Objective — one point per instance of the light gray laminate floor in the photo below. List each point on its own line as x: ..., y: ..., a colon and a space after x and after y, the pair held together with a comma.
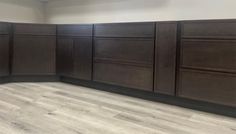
x: 59, y: 108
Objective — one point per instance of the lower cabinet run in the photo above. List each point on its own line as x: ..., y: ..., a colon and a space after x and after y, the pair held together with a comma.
x: 74, y: 51
x: 4, y: 49
x: 189, y: 59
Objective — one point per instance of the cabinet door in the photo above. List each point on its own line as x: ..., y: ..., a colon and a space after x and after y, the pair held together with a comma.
x: 213, y: 87
x: 165, y: 58
x: 34, y: 55
x: 4, y: 55
x: 65, y: 56
x: 83, y: 58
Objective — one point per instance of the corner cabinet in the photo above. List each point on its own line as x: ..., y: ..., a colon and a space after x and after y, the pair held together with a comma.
x: 34, y: 49
x: 74, y: 51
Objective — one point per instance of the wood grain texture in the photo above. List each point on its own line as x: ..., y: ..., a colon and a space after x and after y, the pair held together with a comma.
x: 34, y: 55
x: 165, y: 57
x: 225, y: 29
x: 35, y: 29
x: 135, y: 50
x: 125, y: 30
x: 4, y: 55
x: 217, y: 55
x: 65, y: 56
x: 75, y: 30
x: 123, y: 75
x: 4, y: 28
x: 213, y: 87
x: 57, y: 108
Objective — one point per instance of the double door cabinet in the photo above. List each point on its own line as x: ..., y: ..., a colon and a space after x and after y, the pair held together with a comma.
x: 74, y: 51
x: 189, y: 59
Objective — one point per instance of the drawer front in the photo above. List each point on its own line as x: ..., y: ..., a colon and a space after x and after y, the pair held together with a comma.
x: 75, y: 30
x: 212, y: 87
x: 139, y: 51
x: 65, y: 56
x: 4, y: 28
x: 218, y: 55
x: 34, y: 29
x: 83, y: 58
x: 218, y: 28
x: 4, y: 55
x: 34, y: 55
x: 165, y: 58
x: 125, y: 30
x: 124, y: 75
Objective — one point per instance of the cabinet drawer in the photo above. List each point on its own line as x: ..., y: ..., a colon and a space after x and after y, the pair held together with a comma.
x: 218, y: 55
x: 209, y: 29
x: 124, y: 75
x: 213, y: 87
x: 75, y: 30
x: 4, y: 55
x: 133, y: 50
x: 35, y: 29
x: 4, y: 28
x: 125, y: 30
x: 34, y: 55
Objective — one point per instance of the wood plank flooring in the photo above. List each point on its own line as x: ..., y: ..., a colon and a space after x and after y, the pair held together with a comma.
x: 59, y: 108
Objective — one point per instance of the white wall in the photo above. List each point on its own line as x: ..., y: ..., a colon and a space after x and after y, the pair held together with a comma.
x: 30, y: 11
x: 99, y: 11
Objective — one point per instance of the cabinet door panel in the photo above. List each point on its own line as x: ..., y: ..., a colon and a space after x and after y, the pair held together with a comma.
x: 165, y: 58
x: 208, y: 86
x: 218, y: 55
x: 83, y: 58
x: 4, y: 55
x: 125, y: 50
x: 124, y: 75
x: 34, y: 55
x: 209, y: 29
x: 4, y: 28
x: 75, y: 30
x: 65, y: 55
x: 34, y: 29
x: 125, y: 30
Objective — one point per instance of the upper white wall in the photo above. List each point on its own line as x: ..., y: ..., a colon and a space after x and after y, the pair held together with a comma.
x: 28, y: 11
x: 100, y: 11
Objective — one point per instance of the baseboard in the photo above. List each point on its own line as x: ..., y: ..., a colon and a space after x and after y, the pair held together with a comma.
x: 26, y: 78
x: 172, y: 100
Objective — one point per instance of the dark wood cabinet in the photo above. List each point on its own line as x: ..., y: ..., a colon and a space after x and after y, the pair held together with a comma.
x: 221, y: 29
x: 123, y: 54
x: 217, y: 55
x: 165, y: 58
x: 4, y: 49
x: 34, y: 49
x: 207, y: 69
x: 125, y: 30
x: 75, y: 51
x: 213, y: 87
